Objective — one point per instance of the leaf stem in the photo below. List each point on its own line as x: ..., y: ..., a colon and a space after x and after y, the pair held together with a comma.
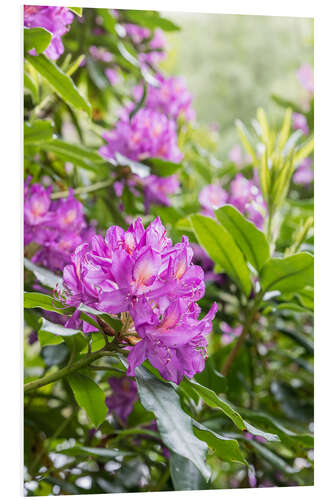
x: 67, y: 370
x: 83, y: 190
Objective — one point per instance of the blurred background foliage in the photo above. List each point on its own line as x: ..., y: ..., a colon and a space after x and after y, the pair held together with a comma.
x: 239, y: 62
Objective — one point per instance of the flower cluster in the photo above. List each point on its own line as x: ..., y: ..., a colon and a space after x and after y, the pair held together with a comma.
x: 304, y: 172
x: 305, y: 78
x: 53, y: 19
x: 244, y: 194
x: 140, y: 273
x: 58, y: 227
x: 155, y: 42
x: 171, y: 98
x: 148, y: 135
x: 124, y: 395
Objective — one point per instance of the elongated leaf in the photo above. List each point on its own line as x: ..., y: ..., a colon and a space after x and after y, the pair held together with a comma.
x: 221, y: 247
x: 109, y: 22
x: 215, y: 401
x: 275, y: 460
x: 47, y: 338
x: 285, y: 129
x: 290, y: 274
x: 76, y: 10
x: 184, y: 474
x: 286, y: 436
x: 36, y: 38
x: 48, y: 326
x: 151, y: 20
x: 174, y: 424
x: 61, y: 83
x: 90, y: 397
x: 30, y: 85
x: 249, y: 239
x: 304, y: 151
x: 75, y: 153
x: 87, y: 451
x: 39, y: 131
x: 44, y: 276
x: 46, y: 302
x: 246, y: 141
x: 226, y: 449
x: 136, y: 167
x: 162, y: 168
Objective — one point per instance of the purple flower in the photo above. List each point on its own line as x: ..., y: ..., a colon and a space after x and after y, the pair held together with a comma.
x: 172, y: 98
x: 228, y: 333
x: 58, y: 227
x: 157, y: 189
x: 143, y: 38
x: 305, y: 77
x: 247, y: 198
x: 112, y: 75
x: 100, y: 54
x: 148, y: 135
x: 300, y: 122
x: 53, y: 19
x: 140, y: 272
x: 124, y: 395
x: 236, y: 155
x: 304, y: 173
x: 211, y: 198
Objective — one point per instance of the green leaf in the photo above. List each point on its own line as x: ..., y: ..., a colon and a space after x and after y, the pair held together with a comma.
x: 272, y: 458
x: 299, y: 338
x: 211, y: 378
x: 174, y: 424
x: 76, y: 10
x: 46, y: 302
x: 140, y: 102
x: 226, y: 449
x: 89, y: 396
x: 285, y: 129
x: 250, y: 240
x: 47, y: 338
x: 290, y: 274
x: 246, y: 141
x: 222, y: 249
x: 36, y: 38
x: 162, y: 168
x: 151, y: 20
x: 48, y: 326
x: 214, y: 401
x: 75, y: 153
x: 61, y: 83
x: 136, y: 167
x: 286, y: 436
x: 30, y: 85
x: 39, y: 131
x: 184, y: 475
x: 44, y: 276
x: 101, y: 453
x: 304, y: 151
x: 109, y: 22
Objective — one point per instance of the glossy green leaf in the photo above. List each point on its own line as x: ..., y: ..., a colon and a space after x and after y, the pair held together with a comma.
x: 151, y: 20
x: 162, y: 168
x: 221, y: 247
x: 48, y: 326
x: 61, y: 83
x: 89, y: 396
x: 44, y: 276
x: 76, y: 10
x: 39, y: 131
x: 30, y: 85
x: 174, y: 424
x: 211, y: 378
x: 274, y: 459
x: 46, y: 302
x: 74, y: 153
x: 215, y: 401
x: 226, y: 449
x: 290, y: 274
x: 250, y: 240
x: 47, y: 338
x: 36, y: 38
x: 184, y: 474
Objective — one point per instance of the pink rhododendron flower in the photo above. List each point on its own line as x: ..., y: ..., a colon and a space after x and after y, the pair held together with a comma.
x: 140, y: 272
x: 304, y: 173
x: 58, y: 227
x: 305, y: 77
x: 158, y: 189
x: 112, y: 75
x: 300, y: 123
x: 246, y: 196
x: 172, y: 98
x: 155, y: 42
x: 124, y: 395
x: 228, y: 333
x: 211, y: 198
x: 54, y: 19
x: 148, y: 135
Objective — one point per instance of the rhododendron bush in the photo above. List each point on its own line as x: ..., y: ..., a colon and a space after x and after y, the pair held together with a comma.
x: 168, y: 288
